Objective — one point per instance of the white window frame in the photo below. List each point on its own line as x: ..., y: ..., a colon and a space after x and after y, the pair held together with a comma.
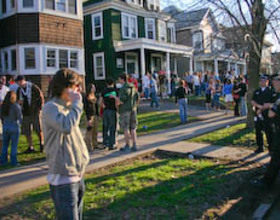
x: 9, y: 8
x: 147, y: 20
x: 46, y: 58
x: 66, y: 7
x: 194, y: 40
x: 129, y: 26
x: 93, y: 16
x: 24, y: 58
x: 162, y: 30
x: 69, y: 55
x: 30, y: 6
x: 95, y: 55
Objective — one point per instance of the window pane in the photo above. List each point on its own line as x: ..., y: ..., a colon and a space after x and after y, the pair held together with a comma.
x: 97, y: 32
x: 14, y: 59
x: 28, y: 3
x: 51, y: 58
x: 99, y: 61
x: 133, y: 27
x: 29, y: 54
x: 12, y: 3
x: 49, y: 4
x: 74, y: 60
x: 97, y: 21
x: 99, y: 72
x: 4, y: 7
x: 72, y: 6
x: 63, y: 58
x: 6, y: 62
x: 61, y: 5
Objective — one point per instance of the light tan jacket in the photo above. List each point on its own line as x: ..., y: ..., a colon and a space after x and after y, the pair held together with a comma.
x: 66, y: 150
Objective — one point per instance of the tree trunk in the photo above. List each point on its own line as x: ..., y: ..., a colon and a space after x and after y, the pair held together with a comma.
x: 258, y: 29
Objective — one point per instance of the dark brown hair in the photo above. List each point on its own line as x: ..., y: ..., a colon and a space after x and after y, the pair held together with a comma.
x: 123, y: 77
x: 64, y: 78
x: 10, y: 99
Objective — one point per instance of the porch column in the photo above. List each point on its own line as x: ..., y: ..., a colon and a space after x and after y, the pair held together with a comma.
x: 235, y: 67
x: 245, y: 69
x: 143, y: 65
x: 191, y: 65
x: 228, y: 66
x: 175, y: 65
x: 168, y: 72
x: 216, y: 67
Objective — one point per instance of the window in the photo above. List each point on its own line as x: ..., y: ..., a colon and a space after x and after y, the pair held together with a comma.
x: 72, y: 7
x: 162, y: 30
x: 97, y: 26
x: 63, y: 59
x: 51, y: 58
x: 219, y: 44
x: 150, y: 28
x: 28, y: 3
x: 14, y: 59
x: 129, y: 26
x: 49, y: 4
x: 29, y: 55
x: 74, y: 60
x: 197, y: 41
x: 99, y: 68
x: 61, y: 5
x: 6, y: 61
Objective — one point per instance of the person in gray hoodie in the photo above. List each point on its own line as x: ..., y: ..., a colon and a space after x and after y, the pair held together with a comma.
x: 66, y: 151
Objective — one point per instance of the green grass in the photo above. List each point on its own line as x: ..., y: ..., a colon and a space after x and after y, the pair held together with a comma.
x: 155, y: 121
x: 237, y: 135
x: 148, y: 188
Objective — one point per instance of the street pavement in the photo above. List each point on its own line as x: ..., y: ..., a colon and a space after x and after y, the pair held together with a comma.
x: 18, y: 180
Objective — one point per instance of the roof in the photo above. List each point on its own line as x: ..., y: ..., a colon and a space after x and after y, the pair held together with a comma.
x: 186, y: 18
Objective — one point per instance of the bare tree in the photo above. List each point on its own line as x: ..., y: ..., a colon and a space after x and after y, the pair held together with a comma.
x: 254, y: 19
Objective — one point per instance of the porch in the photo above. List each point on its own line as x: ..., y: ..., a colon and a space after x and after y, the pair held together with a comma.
x: 142, y: 55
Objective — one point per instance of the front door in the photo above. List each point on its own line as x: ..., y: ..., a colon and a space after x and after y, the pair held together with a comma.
x: 156, y: 62
x: 131, y: 64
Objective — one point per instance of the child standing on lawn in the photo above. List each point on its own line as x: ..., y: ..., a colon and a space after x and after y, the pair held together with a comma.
x: 11, y: 115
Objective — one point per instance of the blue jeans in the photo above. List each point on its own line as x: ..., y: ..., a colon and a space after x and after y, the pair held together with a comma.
x: 197, y: 90
x: 183, y: 110
x: 146, y: 93
x: 109, y: 127
x: 243, y: 103
x: 68, y: 200
x: 216, y: 101
x: 154, y: 99
x: 11, y: 133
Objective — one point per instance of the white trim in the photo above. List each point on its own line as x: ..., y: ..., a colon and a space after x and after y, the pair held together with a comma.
x: 93, y: 16
x: 130, y: 17
x: 95, y: 55
x: 135, y: 44
x: 123, y: 7
x: 147, y: 20
x: 40, y: 53
x: 136, y: 74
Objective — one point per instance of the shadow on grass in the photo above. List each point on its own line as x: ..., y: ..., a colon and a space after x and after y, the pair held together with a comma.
x: 187, y: 197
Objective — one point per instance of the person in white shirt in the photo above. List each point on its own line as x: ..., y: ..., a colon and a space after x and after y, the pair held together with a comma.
x: 197, y: 84
x: 146, y: 85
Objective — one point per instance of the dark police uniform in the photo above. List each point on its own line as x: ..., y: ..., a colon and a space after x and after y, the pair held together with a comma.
x: 262, y: 122
x: 274, y: 166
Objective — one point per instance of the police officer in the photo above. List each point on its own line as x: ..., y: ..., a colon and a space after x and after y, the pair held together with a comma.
x: 262, y: 99
x: 274, y: 113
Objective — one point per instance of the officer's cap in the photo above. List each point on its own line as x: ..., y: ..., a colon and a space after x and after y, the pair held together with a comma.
x: 263, y: 77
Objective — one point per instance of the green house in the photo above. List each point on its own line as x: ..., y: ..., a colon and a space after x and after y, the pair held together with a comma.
x: 131, y: 36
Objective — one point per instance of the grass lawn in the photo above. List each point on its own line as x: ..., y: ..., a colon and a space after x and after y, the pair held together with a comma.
x: 155, y: 121
x: 237, y: 135
x: 146, y: 188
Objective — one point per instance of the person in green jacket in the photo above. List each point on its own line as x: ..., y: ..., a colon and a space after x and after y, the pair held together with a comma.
x: 129, y: 100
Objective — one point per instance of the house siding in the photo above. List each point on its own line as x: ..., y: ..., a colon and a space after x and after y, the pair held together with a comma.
x: 184, y: 37
x: 111, y: 32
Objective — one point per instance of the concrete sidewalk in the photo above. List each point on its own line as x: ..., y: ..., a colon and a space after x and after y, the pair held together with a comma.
x: 18, y: 180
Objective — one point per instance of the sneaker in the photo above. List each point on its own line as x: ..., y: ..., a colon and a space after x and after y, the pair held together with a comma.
x: 114, y: 147
x: 259, y: 150
x: 126, y: 148
x: 134, y: 148
x: 29, y: 150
